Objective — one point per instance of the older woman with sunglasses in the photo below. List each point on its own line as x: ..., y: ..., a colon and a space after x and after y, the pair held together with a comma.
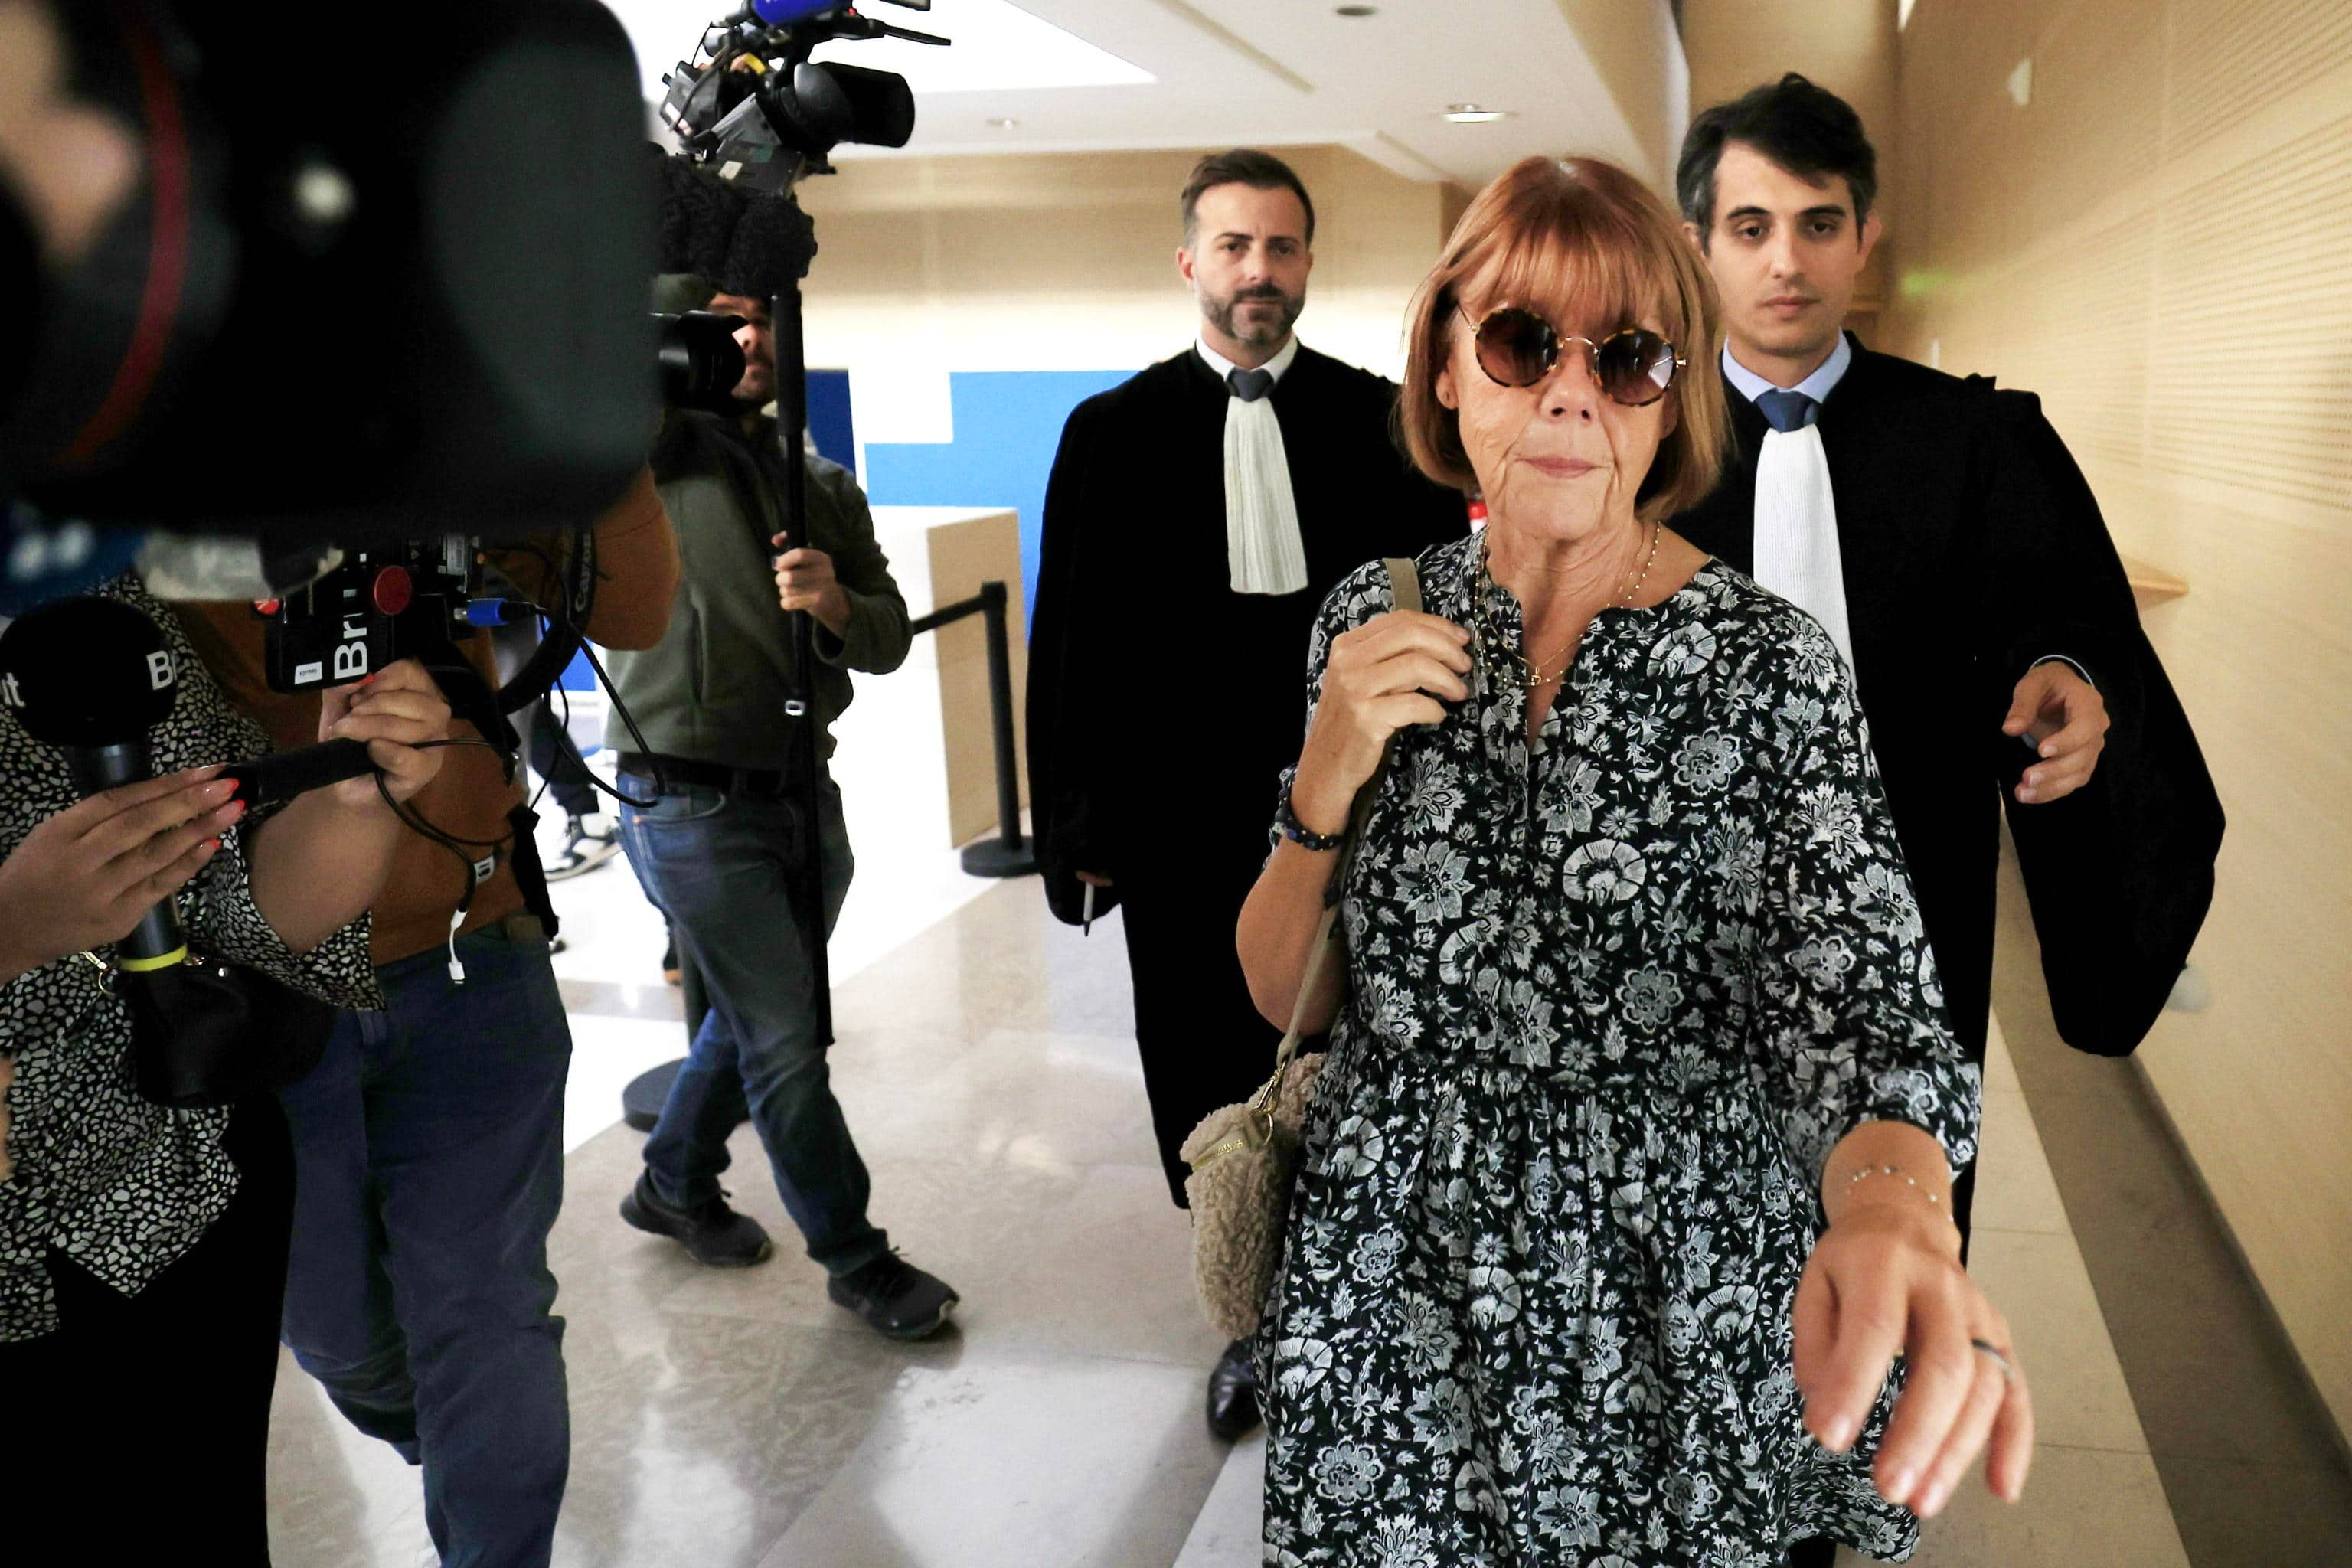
x: 1626, y: 1179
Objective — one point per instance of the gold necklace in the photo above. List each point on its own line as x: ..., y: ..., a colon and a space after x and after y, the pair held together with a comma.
x: 1530, y: 675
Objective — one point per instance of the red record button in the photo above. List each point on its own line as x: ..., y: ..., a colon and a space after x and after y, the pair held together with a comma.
x: 392, y: 590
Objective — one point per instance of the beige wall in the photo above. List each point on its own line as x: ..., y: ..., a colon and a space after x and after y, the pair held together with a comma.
x: 1067, y: 262
x: 1632, y: 45
x: 2159, y: 242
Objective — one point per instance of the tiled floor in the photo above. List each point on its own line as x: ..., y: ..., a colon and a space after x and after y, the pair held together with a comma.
x: 739, y: 1420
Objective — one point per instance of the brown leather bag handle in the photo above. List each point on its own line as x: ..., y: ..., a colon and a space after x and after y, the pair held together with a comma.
x: 1405, y: 583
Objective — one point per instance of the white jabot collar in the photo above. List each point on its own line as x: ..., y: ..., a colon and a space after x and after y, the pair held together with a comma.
x: 1264, y: 551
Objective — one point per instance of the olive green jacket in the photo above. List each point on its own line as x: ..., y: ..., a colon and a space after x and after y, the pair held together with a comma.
x: 714, y: 688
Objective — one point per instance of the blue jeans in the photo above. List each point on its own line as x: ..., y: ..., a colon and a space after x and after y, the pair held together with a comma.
x: 428, y: 1151
x: 720, y: 867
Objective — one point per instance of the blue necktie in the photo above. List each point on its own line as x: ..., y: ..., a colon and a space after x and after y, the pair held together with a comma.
x: 1784, y: 411
x: 1249, y: 386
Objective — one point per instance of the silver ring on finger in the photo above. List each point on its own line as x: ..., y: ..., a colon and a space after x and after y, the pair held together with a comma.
x: 2000, y: 1358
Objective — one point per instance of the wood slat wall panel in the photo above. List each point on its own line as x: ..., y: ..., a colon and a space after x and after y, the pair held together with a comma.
x: 2252, y: 360
x: 2157, y: 245
x: 2229, y: 58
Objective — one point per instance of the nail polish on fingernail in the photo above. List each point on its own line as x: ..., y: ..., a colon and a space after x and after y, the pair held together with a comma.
x: 1899, y: 1489
x: 1933, y: 1503
x: 211, y: 845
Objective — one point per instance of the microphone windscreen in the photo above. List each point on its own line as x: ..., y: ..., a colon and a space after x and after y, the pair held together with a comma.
x: 87, y: 673
x: 744, y: 241
x: 773, y: 244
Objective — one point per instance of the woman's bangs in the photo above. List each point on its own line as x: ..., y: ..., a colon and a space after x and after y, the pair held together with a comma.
x: 1585, y: 277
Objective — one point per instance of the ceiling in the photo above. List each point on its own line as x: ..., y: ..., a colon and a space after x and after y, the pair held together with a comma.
x: 1268, y: 72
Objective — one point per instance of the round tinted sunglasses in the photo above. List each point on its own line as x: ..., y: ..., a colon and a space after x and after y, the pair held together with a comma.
x: 1519, y: 348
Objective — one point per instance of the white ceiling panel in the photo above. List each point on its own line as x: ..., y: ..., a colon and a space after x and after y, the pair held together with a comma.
x: 1105, y: 75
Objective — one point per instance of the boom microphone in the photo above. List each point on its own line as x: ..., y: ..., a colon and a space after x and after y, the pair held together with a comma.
x: 92, y: 676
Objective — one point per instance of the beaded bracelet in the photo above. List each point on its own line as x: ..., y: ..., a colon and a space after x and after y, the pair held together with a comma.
x: 1883, y: 1170
x: 1299, y: 833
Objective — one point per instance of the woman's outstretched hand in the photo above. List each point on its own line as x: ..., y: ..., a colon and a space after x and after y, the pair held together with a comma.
x: 1886, y: 1277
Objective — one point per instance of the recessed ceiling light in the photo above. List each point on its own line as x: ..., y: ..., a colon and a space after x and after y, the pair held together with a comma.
x: 1003, y: 123
x: 1359, y: 10
x: 1471, y: 114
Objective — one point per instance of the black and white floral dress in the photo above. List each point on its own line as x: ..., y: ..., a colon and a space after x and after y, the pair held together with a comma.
x: 1613, y: 999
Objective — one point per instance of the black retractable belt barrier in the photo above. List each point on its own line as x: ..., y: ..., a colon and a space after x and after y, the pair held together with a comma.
x: 1008, y: 853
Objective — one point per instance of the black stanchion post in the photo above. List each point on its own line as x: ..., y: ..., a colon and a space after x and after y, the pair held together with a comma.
x: 1009, y: 853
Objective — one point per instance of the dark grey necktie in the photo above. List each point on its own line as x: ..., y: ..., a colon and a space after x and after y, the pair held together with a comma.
x: 1784, y: 411
x: 1249, y: 386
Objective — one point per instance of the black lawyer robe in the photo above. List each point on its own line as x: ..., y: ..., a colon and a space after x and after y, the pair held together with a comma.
x: 1971, y: 548
x: 1163, y: 706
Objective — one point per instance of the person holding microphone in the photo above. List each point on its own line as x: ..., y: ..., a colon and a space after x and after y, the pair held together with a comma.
x: 142, y: 1248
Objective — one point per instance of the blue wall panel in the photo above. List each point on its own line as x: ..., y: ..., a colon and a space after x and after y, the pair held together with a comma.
x: 830, y: 430
x: 1007, y: 426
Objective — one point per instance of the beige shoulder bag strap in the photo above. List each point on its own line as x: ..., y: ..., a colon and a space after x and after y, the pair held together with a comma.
x: 1404, y: 581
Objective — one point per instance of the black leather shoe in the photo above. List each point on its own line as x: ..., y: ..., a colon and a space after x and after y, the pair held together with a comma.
x: 896, y: 1298
x: 715, y: 1234
x: 1232, y: 1393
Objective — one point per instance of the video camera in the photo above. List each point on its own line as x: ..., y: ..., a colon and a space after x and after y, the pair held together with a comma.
x: 763, y: 115
x: 758, y: 113
x: 358, y: 318
x: 371, y: 283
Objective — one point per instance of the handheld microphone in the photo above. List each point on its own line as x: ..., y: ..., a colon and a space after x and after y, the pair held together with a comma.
x: 92, y: 676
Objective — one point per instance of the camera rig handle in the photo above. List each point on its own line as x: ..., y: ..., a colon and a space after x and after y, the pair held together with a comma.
x: 791, y: 432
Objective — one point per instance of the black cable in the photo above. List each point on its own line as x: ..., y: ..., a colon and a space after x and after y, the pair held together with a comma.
x: 567, y: 747
x: 588, y: 652
x: 416, y: 823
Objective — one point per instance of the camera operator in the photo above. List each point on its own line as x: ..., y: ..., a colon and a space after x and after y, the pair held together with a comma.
x: 143, y: 1249
x: 428, y: 1141
x: 719, y: 850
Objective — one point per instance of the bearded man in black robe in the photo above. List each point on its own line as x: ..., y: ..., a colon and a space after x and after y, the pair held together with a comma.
x: 1196, y: 517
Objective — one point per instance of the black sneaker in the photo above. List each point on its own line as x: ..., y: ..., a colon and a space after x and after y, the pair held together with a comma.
x: 895, y: 1298
x: 585, y: 848
x: 715, y: 1234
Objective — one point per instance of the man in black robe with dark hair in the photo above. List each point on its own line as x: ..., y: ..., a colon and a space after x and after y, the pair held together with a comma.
x: 1941, y: 532
x: 1196, y: 517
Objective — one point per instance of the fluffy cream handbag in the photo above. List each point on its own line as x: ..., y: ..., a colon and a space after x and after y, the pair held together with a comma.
x: 1244, y: 1157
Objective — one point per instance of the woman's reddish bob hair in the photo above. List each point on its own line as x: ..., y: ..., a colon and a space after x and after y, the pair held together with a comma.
x: 1591, y: 249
